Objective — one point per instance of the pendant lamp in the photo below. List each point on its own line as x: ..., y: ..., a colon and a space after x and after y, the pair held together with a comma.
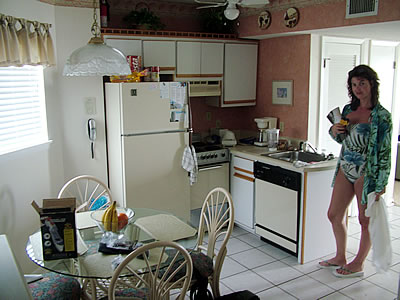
x: 96, y: 58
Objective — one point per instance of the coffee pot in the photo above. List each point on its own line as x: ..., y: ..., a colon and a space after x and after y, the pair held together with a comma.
x: 265, y: 124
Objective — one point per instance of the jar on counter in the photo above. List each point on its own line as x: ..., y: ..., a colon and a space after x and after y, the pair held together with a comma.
x: 155, y: 73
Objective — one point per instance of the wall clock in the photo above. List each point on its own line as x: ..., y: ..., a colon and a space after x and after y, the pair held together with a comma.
x: 264, y: 19
x: 292, y: 17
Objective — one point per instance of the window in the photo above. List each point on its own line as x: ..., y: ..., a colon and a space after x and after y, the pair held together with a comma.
x: 22, y: 108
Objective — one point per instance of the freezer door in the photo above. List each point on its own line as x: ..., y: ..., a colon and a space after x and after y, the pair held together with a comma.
x: 146, y: 107
x: 153, y: 176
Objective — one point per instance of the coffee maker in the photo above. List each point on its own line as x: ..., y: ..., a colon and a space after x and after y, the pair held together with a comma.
x: 263, y: 125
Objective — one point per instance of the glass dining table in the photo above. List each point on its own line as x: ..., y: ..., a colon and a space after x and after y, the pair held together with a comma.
x: 95, y: 268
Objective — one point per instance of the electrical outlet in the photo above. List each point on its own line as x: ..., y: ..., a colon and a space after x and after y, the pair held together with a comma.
x: 90, y: 105
x: 208, y: 116
x: 281, y: 126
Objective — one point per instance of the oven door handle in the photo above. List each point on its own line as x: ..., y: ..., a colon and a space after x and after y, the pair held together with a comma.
x: 209, y: 168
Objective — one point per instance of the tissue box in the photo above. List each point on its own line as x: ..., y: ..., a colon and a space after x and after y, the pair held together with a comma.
x: 58, y: 230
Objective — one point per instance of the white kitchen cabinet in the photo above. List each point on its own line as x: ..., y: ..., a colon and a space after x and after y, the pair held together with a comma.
x: 126, y: 45
x: 240, y: 74
x: 159, y: 53
x: 199, y: 59
x: 242, y: 191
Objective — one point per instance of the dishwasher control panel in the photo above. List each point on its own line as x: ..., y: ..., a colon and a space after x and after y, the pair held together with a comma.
x: 277, y: 175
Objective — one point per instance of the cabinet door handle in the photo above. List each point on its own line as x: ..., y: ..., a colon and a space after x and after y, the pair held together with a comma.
x: 241, y: 176
x: 244, y: 170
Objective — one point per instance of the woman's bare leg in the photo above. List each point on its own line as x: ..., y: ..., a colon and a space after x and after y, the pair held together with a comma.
x: 343, y: 193
x: 365, y: 242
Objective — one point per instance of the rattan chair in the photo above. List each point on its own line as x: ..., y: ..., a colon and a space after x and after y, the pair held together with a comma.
x: 90, y: 192
x: 166, y: 266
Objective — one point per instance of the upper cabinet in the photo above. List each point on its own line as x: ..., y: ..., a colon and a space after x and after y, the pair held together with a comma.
x: 240, y: 76
x: 200, y: 59
x: 159, y: 53
x: 127, y: 46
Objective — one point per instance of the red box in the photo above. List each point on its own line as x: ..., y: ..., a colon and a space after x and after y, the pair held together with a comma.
x: 135, y: 62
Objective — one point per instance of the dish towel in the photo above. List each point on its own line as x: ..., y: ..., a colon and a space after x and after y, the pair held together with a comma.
x: 379, y: 232
x: 189, y: 163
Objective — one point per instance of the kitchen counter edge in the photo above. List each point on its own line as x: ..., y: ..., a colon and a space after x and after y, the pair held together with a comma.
x: 254, y: 153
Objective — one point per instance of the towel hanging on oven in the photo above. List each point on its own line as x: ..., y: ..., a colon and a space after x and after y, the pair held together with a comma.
x: 189, y: 163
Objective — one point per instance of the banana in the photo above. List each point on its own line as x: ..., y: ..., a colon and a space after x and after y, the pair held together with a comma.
x: 106, y: 219
x: 114, y: 221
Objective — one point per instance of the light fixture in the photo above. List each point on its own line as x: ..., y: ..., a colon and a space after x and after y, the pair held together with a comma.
x: 96, y: 58
x: 231, y: 12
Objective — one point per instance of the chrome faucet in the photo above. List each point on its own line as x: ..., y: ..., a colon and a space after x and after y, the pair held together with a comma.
x: 303, y: 146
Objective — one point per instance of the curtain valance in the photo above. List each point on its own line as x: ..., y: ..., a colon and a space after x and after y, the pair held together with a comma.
x: 25, y: 42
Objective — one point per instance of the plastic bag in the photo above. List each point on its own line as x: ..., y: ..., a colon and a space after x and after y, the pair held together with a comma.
x: 379, y: 232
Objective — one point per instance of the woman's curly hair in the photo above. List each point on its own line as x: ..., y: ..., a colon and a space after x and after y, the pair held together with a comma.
x: 368, y: 73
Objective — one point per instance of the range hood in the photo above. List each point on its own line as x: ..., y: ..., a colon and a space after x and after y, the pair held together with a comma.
x: 205, y: 88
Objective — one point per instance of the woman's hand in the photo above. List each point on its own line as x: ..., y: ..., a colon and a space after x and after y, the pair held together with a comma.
x: 337, y: 129
x: 378, y: 195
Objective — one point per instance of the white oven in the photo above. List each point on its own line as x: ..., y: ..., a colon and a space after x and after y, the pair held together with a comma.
x: 213, y: 172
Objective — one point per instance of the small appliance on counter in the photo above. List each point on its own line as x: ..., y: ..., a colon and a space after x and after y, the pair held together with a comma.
x: 264, y: 124
x: 228, y: 139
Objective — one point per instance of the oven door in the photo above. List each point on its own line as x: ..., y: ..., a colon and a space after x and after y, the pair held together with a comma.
x: 209, y: 177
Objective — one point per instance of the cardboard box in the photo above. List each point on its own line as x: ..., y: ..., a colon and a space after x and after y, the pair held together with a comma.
x: 58, y: 230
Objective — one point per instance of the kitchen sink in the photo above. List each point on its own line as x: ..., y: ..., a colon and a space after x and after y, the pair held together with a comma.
x: 292, y: 156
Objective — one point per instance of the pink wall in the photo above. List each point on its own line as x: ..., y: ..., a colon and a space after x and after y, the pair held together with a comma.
x: 284, y: 58
x: 319, y: 16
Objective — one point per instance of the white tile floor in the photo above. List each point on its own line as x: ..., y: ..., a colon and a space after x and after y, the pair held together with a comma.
x: 271, y: 273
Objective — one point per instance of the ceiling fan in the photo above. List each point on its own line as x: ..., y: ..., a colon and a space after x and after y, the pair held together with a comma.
x: 232, y: 12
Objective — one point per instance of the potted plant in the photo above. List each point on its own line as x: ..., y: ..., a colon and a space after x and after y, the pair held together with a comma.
x: 214, y: 21
x: 143, y: 18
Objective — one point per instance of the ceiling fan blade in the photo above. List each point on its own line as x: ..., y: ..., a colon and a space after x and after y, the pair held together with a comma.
x: 210, y: 6
x: 211, y: 2
x: 253, y: 3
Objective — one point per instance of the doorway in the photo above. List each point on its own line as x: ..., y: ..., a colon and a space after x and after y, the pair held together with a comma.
x: 339, y: 56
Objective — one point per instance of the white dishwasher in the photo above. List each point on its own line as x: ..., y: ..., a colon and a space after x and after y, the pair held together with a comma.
x: 242, y: 191
x: 277, y: 200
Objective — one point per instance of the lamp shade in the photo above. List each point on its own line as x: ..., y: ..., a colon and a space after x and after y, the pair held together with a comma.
x: 231, y: 13
x: 96, y: 59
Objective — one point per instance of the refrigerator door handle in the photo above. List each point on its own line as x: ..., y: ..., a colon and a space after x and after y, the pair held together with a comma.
x: 155, y: 132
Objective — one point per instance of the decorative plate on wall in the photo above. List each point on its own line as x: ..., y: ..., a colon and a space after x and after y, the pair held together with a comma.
x: 264, y: 19
x: 292, y: 17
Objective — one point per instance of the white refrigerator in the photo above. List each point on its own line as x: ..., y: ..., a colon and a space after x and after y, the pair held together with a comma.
x: 147, y: 130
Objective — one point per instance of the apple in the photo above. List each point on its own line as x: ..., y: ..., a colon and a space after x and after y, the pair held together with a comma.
x: 122, y: 220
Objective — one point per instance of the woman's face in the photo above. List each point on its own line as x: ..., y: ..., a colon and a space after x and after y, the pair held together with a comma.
x: 361, y: 88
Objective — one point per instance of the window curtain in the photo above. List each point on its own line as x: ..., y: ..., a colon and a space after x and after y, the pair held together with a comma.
x: 25, y: 42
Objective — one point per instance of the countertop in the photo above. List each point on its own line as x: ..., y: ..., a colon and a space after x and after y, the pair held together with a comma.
x: 254, y: 153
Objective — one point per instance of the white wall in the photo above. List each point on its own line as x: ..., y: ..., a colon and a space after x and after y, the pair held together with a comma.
x: 30, y: 174
x: 40, y: 172
x: 73, y: 31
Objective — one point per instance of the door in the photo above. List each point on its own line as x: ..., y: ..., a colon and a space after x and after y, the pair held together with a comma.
x: 212, y: 59
x: 188, y: 55
x: 152, y: 173
x: 146, y: 107
x: 159, y: 53
x: 338, y: 60
x: 242, y: 190
x: 125, y: 45
x: 240, y: 76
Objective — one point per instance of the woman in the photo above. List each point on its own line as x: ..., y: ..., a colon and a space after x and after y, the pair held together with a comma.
x: 363, y: 166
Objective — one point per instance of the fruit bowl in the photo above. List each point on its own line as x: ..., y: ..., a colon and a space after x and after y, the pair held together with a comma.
x: 124, y: 217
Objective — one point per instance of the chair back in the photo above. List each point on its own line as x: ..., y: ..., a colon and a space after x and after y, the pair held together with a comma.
x: 90, y: 192
x: 166, y: 265
x: 217, y: 218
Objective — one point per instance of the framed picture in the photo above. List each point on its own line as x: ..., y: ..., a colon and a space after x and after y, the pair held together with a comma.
x: 282, y: 92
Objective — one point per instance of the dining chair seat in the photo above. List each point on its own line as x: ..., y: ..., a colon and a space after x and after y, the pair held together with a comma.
x: 55, y: 287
